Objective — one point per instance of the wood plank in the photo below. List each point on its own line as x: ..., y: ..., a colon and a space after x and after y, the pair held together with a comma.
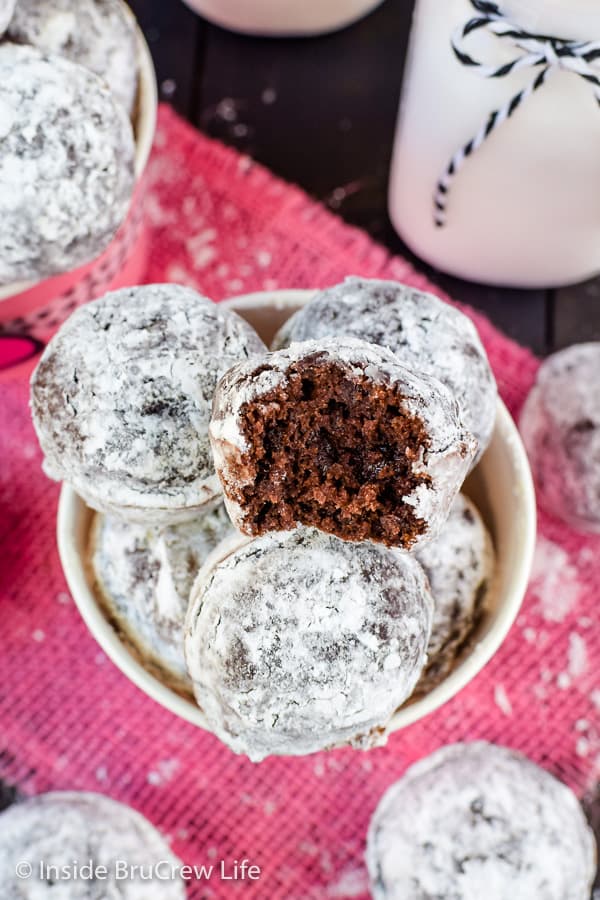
x: 576, y: 314
x: 174, y: 35
x: 320, y: 112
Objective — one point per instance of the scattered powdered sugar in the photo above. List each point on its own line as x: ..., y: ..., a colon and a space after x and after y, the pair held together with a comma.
x: 59, y: 828
x: 554, y: 581
x: 425, y: 334
x: 66, y: 164
x: 587, y: 742
x: 351, y: 883
x: 298, y: 641
x: 578, y: 656
x: 501, y: 700
x: 477, y: 820
x: 164, y: 771
x: 122, y: 397
x: 197, y: 227
x: 99, y: 36
x: 29, y: 450
x: 201, y: 248
x: 269, y: 96
x: 263, y: 258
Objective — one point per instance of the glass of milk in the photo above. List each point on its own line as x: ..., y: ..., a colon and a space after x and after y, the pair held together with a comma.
x: 495, y: 173
x: 283, y: 17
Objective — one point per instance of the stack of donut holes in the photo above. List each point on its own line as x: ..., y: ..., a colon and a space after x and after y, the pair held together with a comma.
x: 282, y: 533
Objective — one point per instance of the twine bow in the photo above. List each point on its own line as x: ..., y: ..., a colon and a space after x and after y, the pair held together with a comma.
x: 535, y: 51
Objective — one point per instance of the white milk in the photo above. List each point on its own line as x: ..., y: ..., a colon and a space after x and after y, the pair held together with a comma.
x: 283, y: 17
x: 524, y: 208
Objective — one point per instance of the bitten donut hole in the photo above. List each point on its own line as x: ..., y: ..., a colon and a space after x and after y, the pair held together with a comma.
x: 336, y: 452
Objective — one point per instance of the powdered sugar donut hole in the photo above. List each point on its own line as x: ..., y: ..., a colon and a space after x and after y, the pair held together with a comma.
x: 560, y: 426
x: 66, y: 164
x: 122, y: 396
x: 338, y: 435
x: 69, y: 829
x: 460, y: 566
x: 476, y: 821
x: 7, y: 8
x: 143, y: 577
x: 298, y: 642
x: 426, y: 334
x: 97, y: 35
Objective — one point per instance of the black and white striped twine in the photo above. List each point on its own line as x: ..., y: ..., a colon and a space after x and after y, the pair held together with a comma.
x: 536, y: 51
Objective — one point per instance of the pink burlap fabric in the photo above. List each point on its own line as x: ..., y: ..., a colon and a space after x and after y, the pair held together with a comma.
x: 70, y: 720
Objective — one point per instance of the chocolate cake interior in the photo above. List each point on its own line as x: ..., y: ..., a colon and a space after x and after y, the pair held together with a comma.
x: 334, y: 451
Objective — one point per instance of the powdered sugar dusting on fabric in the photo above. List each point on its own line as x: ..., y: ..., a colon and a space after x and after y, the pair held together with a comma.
x: 351, y: 883
x: 502, y: 701
x: 554, y: 581
x: 578, y: 657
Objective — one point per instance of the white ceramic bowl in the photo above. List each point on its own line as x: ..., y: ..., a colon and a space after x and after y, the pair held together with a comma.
x: 501, y: 486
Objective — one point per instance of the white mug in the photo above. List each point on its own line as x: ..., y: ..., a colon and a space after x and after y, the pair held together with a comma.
x: 283, y: 17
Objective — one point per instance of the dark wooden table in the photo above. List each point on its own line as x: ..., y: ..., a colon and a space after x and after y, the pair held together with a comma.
x: 320, y: 112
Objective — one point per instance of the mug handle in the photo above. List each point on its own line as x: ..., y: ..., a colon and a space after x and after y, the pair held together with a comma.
x: 16, y: 349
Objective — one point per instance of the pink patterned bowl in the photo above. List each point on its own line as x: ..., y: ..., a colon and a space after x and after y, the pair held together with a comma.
x: 501, y: 486
x: 30, y: 312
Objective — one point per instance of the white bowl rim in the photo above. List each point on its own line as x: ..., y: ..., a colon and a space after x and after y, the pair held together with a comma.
x: 479, y: 655
x: 145, y: 128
